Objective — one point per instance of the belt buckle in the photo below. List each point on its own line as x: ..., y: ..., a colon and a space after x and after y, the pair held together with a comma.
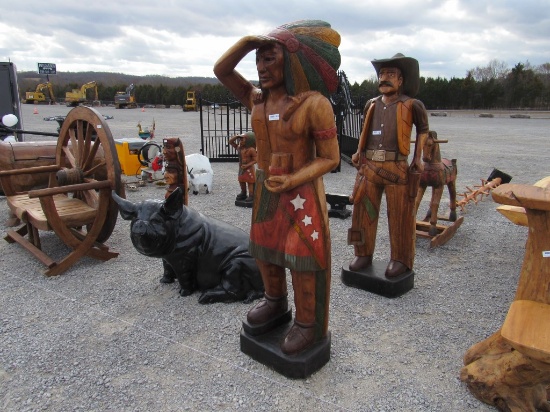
x: 379, y: 155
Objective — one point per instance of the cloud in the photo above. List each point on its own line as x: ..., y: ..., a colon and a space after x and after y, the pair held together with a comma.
x: 185, y: 38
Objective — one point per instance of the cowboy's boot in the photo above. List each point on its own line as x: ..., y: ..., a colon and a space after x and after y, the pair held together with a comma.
x: 302, y: 334
x: 275, y: 303
x: 360, y: 262
x: 395, y: 269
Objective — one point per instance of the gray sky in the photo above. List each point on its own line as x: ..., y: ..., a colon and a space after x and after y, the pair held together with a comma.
x: 185, y: 38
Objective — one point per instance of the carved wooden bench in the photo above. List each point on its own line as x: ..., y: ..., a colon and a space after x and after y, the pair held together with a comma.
x: 77, y: 205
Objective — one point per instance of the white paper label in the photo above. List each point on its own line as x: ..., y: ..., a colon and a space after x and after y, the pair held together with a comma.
x: 274, y: 116
x: 546, y: 253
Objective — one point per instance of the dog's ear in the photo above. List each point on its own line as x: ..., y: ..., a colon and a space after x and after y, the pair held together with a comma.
x: 173, y: 205
x: 127, y: 209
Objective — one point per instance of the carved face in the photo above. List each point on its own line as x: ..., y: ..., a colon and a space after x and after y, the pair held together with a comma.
x: 389, y: 80
x: 170, y: 149
x: 171, y: 177
x: 270, y: 65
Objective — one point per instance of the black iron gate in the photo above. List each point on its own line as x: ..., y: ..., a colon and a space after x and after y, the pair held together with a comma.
x: 349, y: 117
x: 221, y: 120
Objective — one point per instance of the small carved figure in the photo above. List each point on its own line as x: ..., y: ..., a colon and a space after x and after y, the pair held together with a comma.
x: 381, y: 161
x: 175, y: 171
x: 246, y: 145
x: 203, y: 253
x: 296, y: 143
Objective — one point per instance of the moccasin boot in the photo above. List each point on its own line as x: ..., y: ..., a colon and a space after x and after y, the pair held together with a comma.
x: 267, y: 309
x: 302, y: 334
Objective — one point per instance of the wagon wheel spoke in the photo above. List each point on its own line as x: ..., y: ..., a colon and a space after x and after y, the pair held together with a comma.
x: 87, y: 150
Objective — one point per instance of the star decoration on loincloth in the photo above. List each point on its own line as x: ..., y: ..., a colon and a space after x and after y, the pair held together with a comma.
x: 306, y: 220
x: 315, y: 235
x: 298, y: 202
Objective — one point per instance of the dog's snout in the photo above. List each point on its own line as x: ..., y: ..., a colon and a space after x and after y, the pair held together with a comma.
x: 139, y: 228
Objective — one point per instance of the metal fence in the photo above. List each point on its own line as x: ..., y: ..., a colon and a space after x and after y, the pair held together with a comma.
x: 222, y: 119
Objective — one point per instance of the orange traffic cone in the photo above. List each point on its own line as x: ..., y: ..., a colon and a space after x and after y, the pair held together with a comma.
x: 143, y: 109
x: 35, y: 111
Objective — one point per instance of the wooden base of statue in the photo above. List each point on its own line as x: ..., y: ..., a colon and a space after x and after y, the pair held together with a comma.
x: 338, y: 205
x: 373, y: 279
x: 444, y: 231
x: 266, y: 349
x: 511, y: 368
x: 244, y: 203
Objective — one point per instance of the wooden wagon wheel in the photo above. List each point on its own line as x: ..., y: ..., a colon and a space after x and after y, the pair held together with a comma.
x: 87, y: 150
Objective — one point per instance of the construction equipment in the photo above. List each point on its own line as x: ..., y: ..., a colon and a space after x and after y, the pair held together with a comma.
x: 78, y: 96
x: 190, y: 102
x: 38, y: 95
x: 126, y: 99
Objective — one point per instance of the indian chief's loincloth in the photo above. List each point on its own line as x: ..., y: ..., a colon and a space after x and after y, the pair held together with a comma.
x: 288, y: 228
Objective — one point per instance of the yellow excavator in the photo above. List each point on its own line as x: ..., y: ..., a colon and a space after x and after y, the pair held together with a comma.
x: 38, y: 95
x: 78, y: 96
x: 126, y: 99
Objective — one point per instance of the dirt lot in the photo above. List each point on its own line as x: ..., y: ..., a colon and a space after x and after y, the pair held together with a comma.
x: 108, y: 336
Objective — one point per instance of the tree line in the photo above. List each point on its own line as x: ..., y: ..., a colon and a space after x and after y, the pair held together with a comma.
x: 488, y: 87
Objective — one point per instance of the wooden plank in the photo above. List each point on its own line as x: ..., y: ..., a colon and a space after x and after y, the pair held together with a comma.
x: 516, y: 214
x: 444, y: 232
x: 527, y: 328
x: 41, y: 256
x: 73, y: 212
x: 447, y: 234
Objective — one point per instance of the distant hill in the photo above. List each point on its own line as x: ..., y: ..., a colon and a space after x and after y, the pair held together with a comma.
x: 30, y: 79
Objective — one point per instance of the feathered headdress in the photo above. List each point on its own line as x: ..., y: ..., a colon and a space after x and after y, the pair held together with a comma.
x: 250, y: 139
x: 311, y: 56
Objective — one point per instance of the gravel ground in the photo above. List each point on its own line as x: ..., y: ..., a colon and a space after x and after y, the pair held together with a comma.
x: 109, y: 336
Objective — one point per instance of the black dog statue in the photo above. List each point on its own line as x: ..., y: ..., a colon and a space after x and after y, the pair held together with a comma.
x: 203, y: 253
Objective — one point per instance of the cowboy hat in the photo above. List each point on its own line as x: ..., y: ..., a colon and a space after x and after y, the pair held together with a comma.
x: 409, y: 70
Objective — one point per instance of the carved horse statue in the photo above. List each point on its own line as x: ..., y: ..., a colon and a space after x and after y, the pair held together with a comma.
x: 437, y: 173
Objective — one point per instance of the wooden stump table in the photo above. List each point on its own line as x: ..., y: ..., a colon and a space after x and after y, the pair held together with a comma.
x: 511, y: 368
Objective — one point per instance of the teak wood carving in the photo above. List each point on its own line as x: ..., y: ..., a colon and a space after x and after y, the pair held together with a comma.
x: 77, y: 205
x: 511, y: 368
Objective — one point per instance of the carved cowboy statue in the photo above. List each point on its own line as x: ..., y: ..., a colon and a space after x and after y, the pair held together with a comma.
x: 381, y: 161
x: 296, y: 143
